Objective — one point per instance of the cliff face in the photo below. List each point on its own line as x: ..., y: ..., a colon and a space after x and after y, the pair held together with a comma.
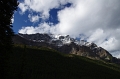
x: 65, y: 44
x: 90, y: 52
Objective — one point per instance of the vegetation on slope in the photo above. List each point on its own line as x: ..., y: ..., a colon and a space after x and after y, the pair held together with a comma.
x: 43, y: 63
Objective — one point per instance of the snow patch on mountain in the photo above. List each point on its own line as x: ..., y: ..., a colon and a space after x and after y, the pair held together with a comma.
x: 58, y: 40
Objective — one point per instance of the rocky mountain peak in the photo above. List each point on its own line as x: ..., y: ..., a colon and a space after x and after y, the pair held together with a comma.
x: 64, y: 44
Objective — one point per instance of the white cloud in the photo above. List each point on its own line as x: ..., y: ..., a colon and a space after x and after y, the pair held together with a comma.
x: 12, y: 20
x: 23, y: 7
x: 116, y: 54
x: 96, y: 35
x: 112, y: 44
x: 42, y: 28
x: 27, y: 30
x: 41, y: 6
x: 33, y: 18
x: 97, y: 20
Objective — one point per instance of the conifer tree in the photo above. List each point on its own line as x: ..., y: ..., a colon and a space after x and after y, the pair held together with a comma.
x: 7, y: 8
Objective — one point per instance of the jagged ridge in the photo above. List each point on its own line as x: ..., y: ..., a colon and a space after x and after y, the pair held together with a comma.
x: 65, y: 44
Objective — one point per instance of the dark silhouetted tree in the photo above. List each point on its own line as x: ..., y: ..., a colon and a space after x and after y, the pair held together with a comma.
x: 7, y: 8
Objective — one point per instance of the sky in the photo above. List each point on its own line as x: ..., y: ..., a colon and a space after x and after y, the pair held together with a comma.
x: 96, y: 21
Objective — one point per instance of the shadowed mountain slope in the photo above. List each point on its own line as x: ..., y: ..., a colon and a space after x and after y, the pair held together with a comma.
x: 66, y: 44
x: 28, y: 62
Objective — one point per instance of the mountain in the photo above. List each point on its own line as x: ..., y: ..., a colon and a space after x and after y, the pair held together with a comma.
x: 65, y: 44
x: 31, y: 62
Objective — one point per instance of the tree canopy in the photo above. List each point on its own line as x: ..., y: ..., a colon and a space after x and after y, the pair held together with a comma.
x: 7, y: 8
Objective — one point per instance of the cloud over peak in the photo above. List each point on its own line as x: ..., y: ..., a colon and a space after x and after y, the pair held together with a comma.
x: 98, y: 21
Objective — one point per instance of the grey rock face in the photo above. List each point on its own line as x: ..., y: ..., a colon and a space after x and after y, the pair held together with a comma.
x: 64, y: 44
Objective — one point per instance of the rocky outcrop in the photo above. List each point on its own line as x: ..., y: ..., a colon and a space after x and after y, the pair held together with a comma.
x: 90, y: 52
x: 65, y: 44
